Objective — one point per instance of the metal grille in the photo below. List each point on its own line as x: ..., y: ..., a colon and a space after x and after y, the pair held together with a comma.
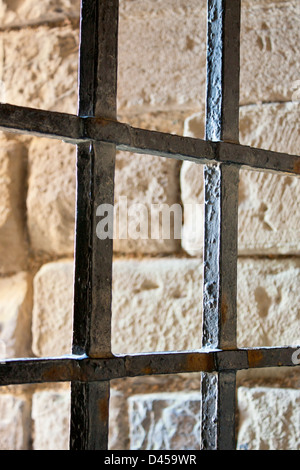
x: 97, y: 134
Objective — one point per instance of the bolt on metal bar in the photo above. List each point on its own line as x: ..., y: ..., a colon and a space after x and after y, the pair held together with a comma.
x: 95, y: 186
x: 221, y: 221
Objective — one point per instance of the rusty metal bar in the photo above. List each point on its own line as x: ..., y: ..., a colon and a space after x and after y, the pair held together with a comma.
x: 223, y: 70
x: 76, y: 130
x: 83, y: 369
x: 40, y: 123
x: 89, y: 405
x: 96, y: 164
x: 95, y: 186
x: 220, y: 256
x: 105, y: 105
x: 221, y: 221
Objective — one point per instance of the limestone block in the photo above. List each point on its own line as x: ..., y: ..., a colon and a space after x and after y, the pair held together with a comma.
x: 26, y: 11
x: 142, y: 183
x: 39, y: 67
x: 162, y: 55
x: 166, y: 66
x: 52, y: 309
x: 269, y: 53
x: 157, y: 305
x: 51, y: 420
x: 118, y: 421
x: 166, y: 421
x: 268, y: 215
x: 166, y: 63
x: 145, y: 187
x: 269, y: 419
x: 13, y: 246
x: 51, y: 196
x: 15, y: 316
x: 14, y: 423
x: 268, y: 306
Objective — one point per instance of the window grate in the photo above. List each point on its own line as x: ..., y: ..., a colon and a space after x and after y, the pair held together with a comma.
x: 97, y: 135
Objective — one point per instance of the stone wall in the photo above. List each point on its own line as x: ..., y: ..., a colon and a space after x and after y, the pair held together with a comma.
x: 157, y: 284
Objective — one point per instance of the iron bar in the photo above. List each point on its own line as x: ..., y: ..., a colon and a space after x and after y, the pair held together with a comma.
x: 221, y: 221
x: 76, y: 130
x: 40, y: 123
x: 95, y: 185
x: 220, y: 256
x: 89, y: 404
x: 84, y: 369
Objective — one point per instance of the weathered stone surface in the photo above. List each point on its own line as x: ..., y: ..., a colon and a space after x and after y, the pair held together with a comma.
x: 51, y: 196
x: 164, y: 421
x: 166, y: 67
x: 15, y: 316
x: 52, y: 309
x: 268, y: 215
x: 118, y: 421
x: 26, y: 11
x: 269, y: 419
x: 14, y: 423
x: 157, y: 305
x: 168, y: 61
x: 140, y: 180
x: 51, y: 420
x: 144, y: 185
x: 268, y: 306
x: 162, y: 55
x: 269, y: 51
x: 13, y: 245
x: 42, y: 66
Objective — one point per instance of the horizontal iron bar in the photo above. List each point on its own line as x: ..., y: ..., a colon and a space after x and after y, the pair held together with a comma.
x: 84, y: 369
x: 74, y: 130
x: 41, y: 123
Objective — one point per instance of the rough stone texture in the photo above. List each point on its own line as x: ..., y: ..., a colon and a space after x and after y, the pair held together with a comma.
x: 42, y: 66
x: 51, y: 196
x: 167, y: 44
x: 14, y: 423
x: 268, y: 309
x: 51, y: 420
x: 157, y: 305
x: 118, y: 421
x: 168, y: 61
x: 269, y: 419
x: 139, y: 179
x: 164, y: 421
x: 166, y: 69
x: 15, y: 316
x: 52, y: 309
x: 268, y: 216
x: 25, y: 11
x: 147, y: 181
x: 13, y: 246
x: 269, y: 51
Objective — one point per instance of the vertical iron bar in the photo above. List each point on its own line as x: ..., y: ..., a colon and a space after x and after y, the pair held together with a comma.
x: 89, y: 404
x: 95, y: 186
x: 221, y: 221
